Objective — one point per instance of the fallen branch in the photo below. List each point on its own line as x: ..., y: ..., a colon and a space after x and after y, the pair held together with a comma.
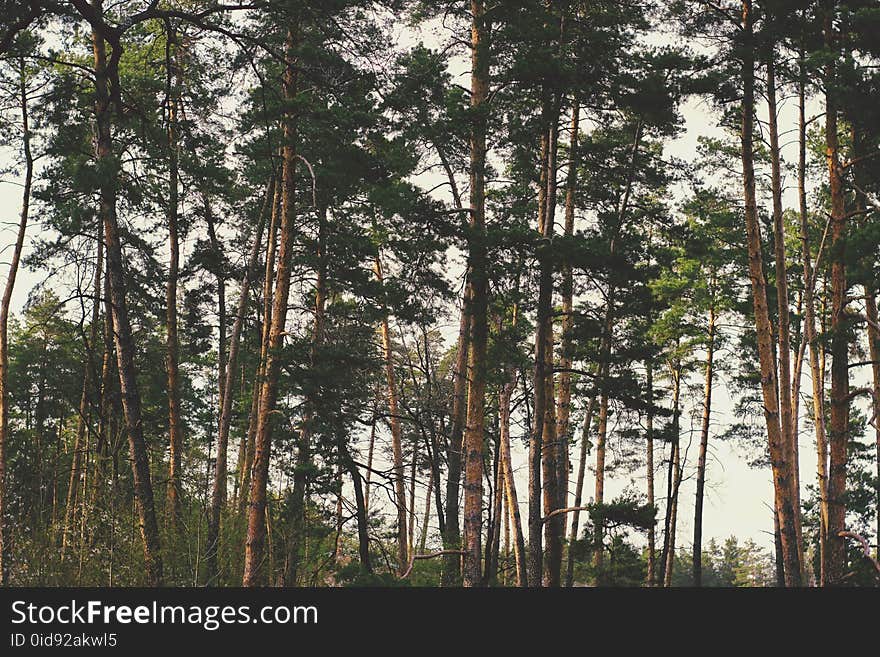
x: 865, y: 547
x: 428, y: 556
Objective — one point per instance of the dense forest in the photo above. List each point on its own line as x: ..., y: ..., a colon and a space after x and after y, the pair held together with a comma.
x: 385, y: 292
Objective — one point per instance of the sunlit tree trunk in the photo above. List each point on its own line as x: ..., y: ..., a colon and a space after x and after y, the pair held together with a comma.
x: 781, y: 465
x: 256, y: 531
x: 479, y: 283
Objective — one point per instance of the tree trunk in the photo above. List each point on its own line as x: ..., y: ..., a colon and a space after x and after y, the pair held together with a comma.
x: 563, y: 408
x: 247, y: 454
x: 816, y: 373
x: 298, y: 527
x: 256, y: 531
x: 579, y: 489
x: 874, y: 352
x: 838, y: 434
x: 173, y: 511
x: 479, y: 283
x: 781, y: 465
x: 4, y: 320
x: 787, y: 419
x: 105, y: 74
x: 218, y: 492
x: 519, y: 545
x: 704, y: 445
x: 396, y: 438
x: 676, y: 470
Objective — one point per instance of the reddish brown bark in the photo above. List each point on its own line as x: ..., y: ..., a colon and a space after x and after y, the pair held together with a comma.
x: 479, y: 283
x: 781, y: 465
x: 256, y: 531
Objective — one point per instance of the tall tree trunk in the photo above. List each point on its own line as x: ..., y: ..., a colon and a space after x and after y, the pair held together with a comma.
x: 838, y: 434
x: 218, y: 492
x: 225, y: 381
x: 675, y: 467
x: 396, y: 436
x: 816, y: 372
x: 563, y: 408
x: 479, y: 283
x: 173, y: 511
x: 787, y: 418
x: 704, y: 445
x: 423, y: 535
x: 874, y: 352
x: 781, y: 465
x: 298, y: 534
x: 106, y: 72
x: 4, y: 320
x: 256, y: 531
x: 550, y: 448
x: 246, y: 455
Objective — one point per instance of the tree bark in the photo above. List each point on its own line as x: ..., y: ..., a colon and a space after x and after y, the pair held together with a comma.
x: 563, y: 408
x: 479, y: 283
x: 105, y: 74
x: 704, y: 444
x: 787, y: 418
x: 519, y: 544
x: 396, y: 437
x: 173, y: 511
x: 256, y: 531
x: 838, y: 434
x: 816, y: 373
x: 781, y: 465
x: 874, y: 352
x: 247, y: 454
x: 298, y: 534
x: 218, y: 492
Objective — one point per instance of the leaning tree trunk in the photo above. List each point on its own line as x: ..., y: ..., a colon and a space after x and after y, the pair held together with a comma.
x: 781, y: 465
x: 4, y: 320
x: 256, y: 531
x: 105, y: 73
